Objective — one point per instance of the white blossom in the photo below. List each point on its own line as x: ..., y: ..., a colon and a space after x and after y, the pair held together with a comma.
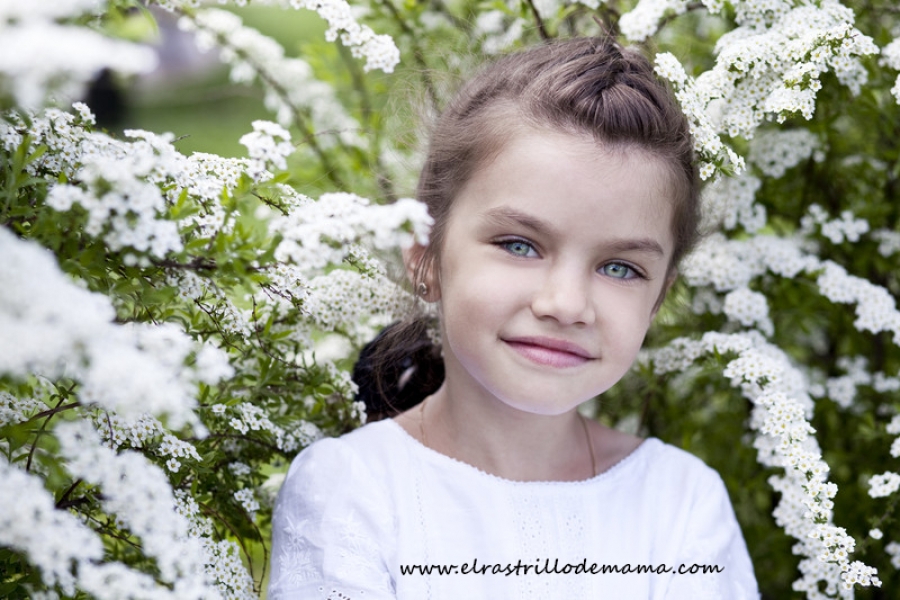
x: 749, y: 308
x: 36, y: 58
x: 776, y: 151
x: 138, y: 494
x: 355, y: 305
x: 248, y: 501
x: 643, y: 20
x: 53, y: 540
x: 889, y: 242
x: 884, y: 485
x: 317, y: 232
x: 730, y: 201
x: 54, y: 327
x: 785, y: 439
x: 893, y: 550
x: 289, y: 83
x: 269, y: 144
x: 766, y: 68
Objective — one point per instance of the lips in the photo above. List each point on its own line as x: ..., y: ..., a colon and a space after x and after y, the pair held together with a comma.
x: 549, y: 352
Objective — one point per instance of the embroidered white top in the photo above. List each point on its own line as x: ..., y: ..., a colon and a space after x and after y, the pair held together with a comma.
x: 364, y: 516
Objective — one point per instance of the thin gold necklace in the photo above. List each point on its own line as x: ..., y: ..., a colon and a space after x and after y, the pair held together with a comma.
x: 584, y: 425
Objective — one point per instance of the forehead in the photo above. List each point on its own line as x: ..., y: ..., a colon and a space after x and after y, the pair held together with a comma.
x: 575, y: 184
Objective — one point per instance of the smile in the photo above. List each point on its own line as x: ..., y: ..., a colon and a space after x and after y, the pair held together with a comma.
x: 550, y: 352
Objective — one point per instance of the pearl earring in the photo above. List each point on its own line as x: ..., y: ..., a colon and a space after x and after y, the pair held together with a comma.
x: 422, y: 290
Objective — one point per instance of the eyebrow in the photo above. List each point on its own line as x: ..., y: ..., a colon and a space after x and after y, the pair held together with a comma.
x: 504, y: 215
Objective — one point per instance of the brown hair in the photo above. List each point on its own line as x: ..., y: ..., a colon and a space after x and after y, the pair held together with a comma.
x: 586, y: 86
x: 583, y: 86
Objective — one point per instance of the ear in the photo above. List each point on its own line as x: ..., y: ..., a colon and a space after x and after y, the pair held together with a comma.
x: 419, y: 264
x: 670, y: 281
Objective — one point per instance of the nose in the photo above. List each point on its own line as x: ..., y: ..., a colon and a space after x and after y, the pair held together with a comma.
x: 564, y: 296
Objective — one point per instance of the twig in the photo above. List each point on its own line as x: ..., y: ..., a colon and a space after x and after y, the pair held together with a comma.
x: 418, y: 56
x: 49, y: 415
x: 542, y: 29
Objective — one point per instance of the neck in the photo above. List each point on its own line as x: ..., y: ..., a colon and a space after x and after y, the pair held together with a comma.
x: 507, y: 442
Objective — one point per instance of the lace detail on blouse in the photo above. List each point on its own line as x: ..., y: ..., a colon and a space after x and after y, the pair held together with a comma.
x: 327, y: 544
x: 354, y: 510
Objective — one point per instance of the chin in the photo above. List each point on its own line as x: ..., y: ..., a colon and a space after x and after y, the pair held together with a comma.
x: 542, y: 409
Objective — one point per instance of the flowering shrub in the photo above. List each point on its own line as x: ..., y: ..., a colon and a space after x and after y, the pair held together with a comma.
x: 174, y: 329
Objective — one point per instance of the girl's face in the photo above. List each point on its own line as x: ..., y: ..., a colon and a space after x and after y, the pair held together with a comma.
x: 554, y: 260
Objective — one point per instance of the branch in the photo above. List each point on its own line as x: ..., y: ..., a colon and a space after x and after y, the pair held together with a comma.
x: 63, y: 500
x: 418, y: 55
x: 542, y: 29
x: 240, y: 539
x: 197, y: 264
x: 49, y: 415
x: 359, y: 84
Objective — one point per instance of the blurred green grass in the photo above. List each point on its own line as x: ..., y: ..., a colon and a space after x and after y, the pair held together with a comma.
x: 205, y: 111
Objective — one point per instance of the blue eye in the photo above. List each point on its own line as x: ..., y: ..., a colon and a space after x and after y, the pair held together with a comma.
x: 518, y: 248
x: 618, y: 271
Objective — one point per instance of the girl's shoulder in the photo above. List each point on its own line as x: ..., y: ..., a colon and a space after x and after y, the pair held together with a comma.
x: 669, y: 467
x: 361, y: 453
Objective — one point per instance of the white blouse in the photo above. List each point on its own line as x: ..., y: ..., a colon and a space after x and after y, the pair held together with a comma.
x: 367, y: 515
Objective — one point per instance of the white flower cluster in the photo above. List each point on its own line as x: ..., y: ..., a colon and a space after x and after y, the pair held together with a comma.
x: 888, y: 241
x: 845, y: 228
x: 138, y: 494
x: 222, y: 560
x: 53, y: 540
x: 289, y: 83
x: 317, y: 233
x: 893, y: 428
x: 117, y: 431
x: 354, y: 305
x: 379, y: 51
x: 269, y: 145
x: 748, y: 308
x: 706, y: 301
x: 730, y: 264
x: 53, y: 327
x: 643, y: 20
x: 120, y: 182
x: 713, y: 153
x: 784, y: 439
x: 249, y: 417
x: 239, y: 469
x: 17, y: 410
x: 499, y: 33
x: 842, y: 390
x: 768, y: 67
x: 176, y: 449
x: 113, y: 187
x: 37, y: 61
x: 730, y: 201
x: 248, y: 501
x: 775, y: 151
x: 890, y: 57
x: 893, y: 550
x: 884, y: 485
x: 876, y: 309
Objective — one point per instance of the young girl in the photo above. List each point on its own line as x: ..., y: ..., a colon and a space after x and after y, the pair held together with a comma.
x: 564, y: 194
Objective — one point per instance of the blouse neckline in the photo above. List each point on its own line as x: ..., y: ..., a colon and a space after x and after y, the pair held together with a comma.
x: 435, y: 456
